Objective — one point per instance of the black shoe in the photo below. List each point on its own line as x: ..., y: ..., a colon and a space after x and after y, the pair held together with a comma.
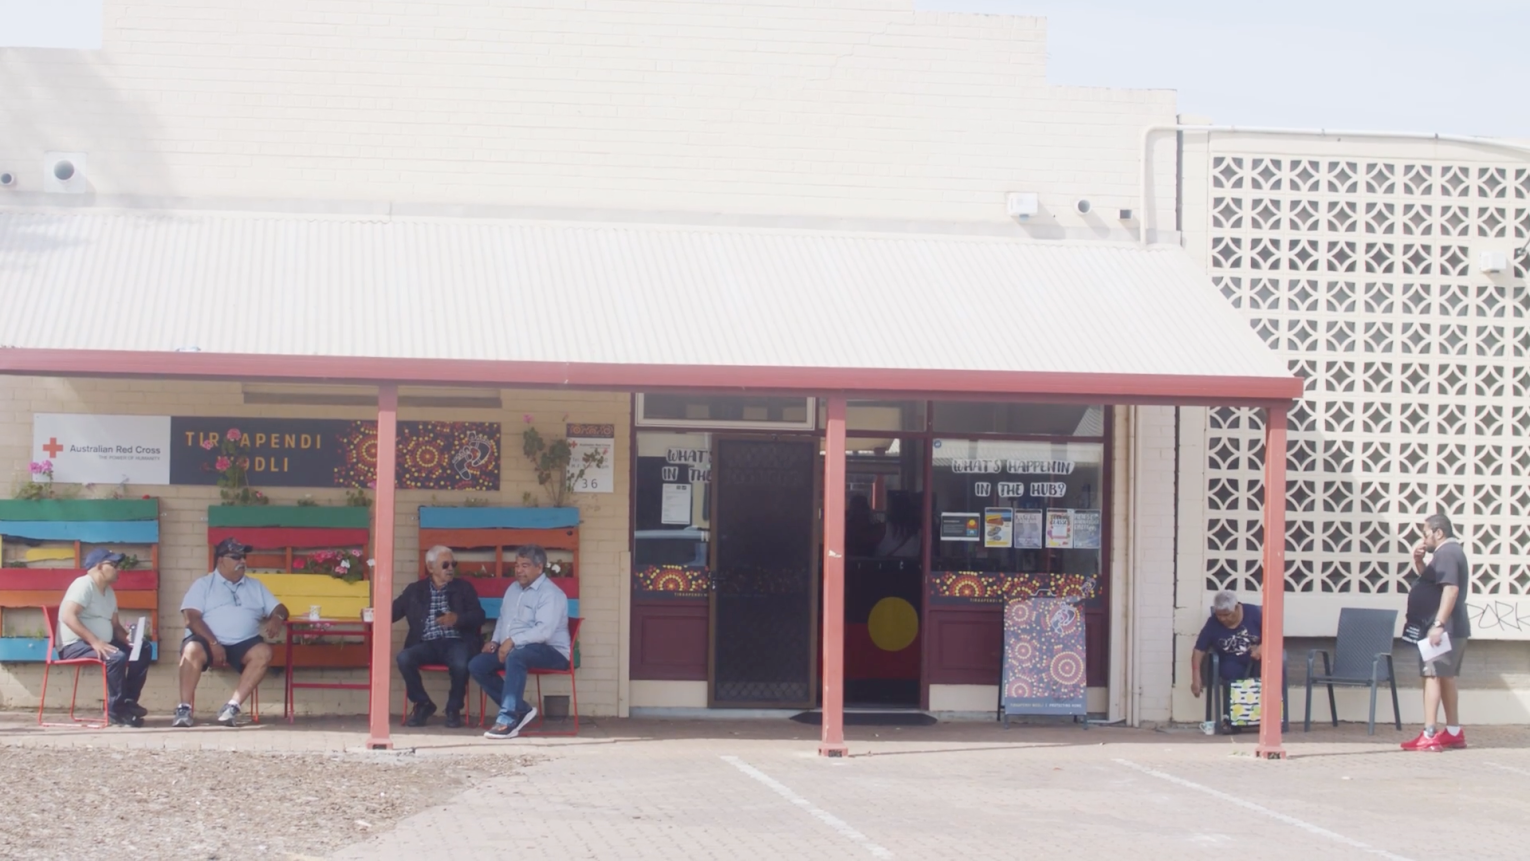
x: 501, y: 731
x: 125, y: 720
x: 453, y: 719
x: 131, y: 707
x: 421, y: 714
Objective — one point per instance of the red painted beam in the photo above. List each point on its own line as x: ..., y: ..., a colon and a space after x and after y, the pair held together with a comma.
x: 854, y: 382
x: 1273, y: 664
x: 382, y: 575
x: 833, y: 742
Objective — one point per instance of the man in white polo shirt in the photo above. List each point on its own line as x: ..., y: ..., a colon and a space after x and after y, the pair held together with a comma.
x: 88, y: 624
x: 228, y: 618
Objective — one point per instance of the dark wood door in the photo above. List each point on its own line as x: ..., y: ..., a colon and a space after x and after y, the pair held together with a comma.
x: 764, y: 581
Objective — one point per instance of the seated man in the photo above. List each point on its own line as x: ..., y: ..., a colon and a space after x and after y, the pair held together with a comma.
x: 444, y: 620
x: 88, y: 623
x: 1235, y: 631
x: 228, y: 616
x: 532, y: 633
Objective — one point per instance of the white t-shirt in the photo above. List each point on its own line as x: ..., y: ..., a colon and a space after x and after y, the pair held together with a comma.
x: 231, y: 610
x: 96, y: 611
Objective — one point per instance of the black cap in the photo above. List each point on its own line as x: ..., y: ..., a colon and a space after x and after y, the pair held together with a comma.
x: 230, y: 547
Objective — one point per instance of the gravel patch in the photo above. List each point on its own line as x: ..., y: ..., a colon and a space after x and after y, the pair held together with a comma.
x: 223, y: 805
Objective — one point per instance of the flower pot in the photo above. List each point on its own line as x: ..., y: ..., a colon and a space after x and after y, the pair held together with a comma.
x: 556, y: 706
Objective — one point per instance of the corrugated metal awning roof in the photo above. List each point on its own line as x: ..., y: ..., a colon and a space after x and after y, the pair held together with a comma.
x: 480, y: 301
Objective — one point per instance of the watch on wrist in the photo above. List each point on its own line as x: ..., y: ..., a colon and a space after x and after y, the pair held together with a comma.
x: 1438, y: 624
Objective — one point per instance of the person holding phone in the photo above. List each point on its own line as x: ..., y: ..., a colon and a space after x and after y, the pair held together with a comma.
x: 1437, y: 605
x: 445, y: 618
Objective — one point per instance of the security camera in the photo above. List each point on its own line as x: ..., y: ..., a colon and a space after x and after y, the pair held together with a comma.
x: 7, y: 178
x: 63, y: 170
x: 1083, y: 206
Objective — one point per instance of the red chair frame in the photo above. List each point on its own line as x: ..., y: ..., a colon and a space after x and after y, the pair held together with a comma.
x: 573, y: 685
x: 467, y: 701
x: 49, y: 662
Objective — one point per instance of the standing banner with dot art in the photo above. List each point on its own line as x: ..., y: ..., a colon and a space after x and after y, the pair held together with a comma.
x: 1043, y: 657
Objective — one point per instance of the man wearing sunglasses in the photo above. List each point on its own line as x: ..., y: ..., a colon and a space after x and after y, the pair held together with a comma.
x: 228, y: 618
x: 444, y: 620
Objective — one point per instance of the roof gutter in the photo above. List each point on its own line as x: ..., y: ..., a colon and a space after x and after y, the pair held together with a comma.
x: 936, y: 384
x: 1147, y: 133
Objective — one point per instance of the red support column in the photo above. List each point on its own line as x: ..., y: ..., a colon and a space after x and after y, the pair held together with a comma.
x: 833, y: 743
x: 1274, y: 584
x: 382, y: 574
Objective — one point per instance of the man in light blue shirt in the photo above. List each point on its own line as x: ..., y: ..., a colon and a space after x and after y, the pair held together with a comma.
x: 532, y: 633
x: 228, y: 616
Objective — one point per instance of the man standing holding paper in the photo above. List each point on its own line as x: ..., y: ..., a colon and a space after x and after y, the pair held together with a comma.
x: 88, y: 625
x: 1437, y: 602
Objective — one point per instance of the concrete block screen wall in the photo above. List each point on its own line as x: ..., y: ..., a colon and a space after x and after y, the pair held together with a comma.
x: 1359, y: 262
x: 183, y: 518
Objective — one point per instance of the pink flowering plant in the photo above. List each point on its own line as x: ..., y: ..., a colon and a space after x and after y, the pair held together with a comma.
x: 232, y: 466
x: 40, y: 486
x: 348, y: 565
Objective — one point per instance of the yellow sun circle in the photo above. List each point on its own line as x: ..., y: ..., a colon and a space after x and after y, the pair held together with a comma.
x: 893, y: 624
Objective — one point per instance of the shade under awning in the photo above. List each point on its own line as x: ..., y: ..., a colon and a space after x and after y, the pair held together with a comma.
x: 281, y: 296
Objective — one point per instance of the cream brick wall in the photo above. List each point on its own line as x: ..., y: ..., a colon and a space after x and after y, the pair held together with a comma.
x: 183, y: 520
x: 844, y: 108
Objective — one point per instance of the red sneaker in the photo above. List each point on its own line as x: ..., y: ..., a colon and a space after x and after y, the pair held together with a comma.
x: 1453, y: 740
x: 1425, y: 742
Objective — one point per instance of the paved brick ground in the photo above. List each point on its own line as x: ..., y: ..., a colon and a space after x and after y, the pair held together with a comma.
x: 725, y: 789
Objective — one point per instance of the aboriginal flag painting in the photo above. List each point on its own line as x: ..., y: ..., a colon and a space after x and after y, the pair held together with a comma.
x: 1043, y: 657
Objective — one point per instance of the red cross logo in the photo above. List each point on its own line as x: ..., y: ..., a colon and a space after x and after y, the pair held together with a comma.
x: 53, y: 448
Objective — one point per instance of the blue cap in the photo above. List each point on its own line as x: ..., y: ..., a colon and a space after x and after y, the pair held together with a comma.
x: 101, y: 554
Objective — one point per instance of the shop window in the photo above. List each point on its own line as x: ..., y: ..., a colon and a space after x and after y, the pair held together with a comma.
x: 1007, y: 506
x: 672, y: 525
x: 1028, y: 419
x: 724, y: 411
x: 879, y: 415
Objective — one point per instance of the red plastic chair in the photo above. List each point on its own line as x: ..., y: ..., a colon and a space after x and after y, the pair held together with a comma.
x: 49, y: 662
x: 467, y: 702
x: 573, y: 640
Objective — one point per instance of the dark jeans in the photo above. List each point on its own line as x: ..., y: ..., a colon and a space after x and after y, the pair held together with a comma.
x: 485, y: 667
x: 454, y: 652
x: 124, y: 678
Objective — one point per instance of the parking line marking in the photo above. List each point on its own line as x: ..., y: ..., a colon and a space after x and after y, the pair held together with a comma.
x: 817, y: 812
x: 1258, y: 808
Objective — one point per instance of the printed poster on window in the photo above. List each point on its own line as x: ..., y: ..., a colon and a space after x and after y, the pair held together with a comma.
x: 675, y: 505
x: 1029, y: 525
x: 1059, y: 528
x: 960, y: 526
x: 592, y: 458
x: 998, y: 527
x: 1086, y: 530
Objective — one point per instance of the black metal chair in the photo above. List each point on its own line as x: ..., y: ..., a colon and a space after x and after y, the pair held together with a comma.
x: 1218, y: 694
x: 1363, y: 647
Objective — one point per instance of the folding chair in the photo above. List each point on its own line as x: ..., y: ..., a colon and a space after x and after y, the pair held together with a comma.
x: 50, y: 661
x: 1364, y: 643
x: 573, y: 640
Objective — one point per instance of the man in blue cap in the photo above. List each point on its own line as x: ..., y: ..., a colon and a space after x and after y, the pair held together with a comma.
x: 228, y: 618
x: 88, y: 624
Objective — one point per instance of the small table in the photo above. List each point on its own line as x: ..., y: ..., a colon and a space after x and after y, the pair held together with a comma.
x: 304, y: 625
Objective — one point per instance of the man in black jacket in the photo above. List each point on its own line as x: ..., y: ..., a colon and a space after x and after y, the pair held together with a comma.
x: 445, y: 622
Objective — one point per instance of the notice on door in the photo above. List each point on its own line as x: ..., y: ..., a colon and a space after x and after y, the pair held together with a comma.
x: 675, y: 506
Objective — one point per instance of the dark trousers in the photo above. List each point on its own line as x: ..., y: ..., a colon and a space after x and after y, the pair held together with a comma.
x: 454, y: 652
x: 508, y: 693
x: 124, y: 678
